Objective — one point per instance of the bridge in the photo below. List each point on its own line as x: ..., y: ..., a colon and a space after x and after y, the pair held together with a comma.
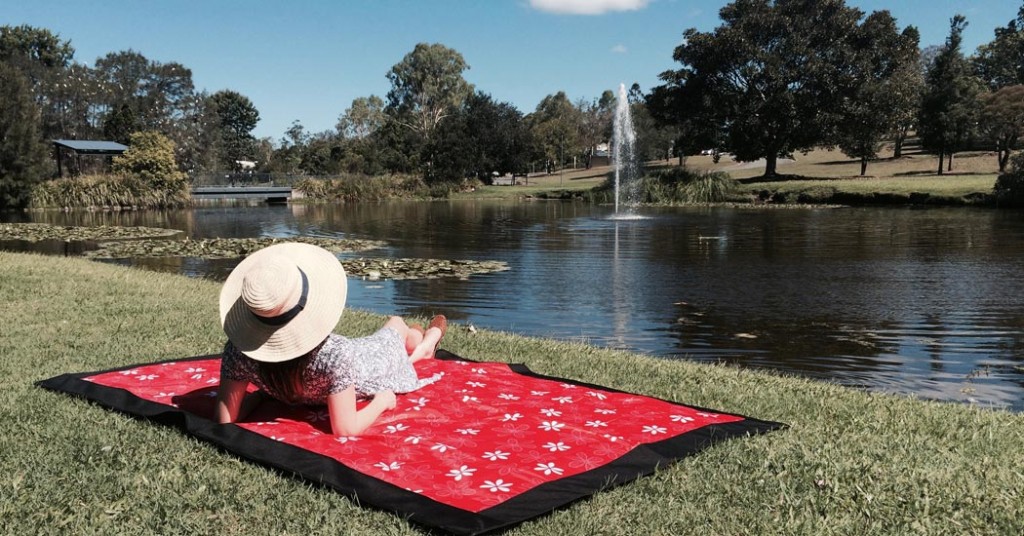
x: 272, y: 194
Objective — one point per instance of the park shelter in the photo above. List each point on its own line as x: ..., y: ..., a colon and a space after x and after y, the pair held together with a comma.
x: 86, y: 147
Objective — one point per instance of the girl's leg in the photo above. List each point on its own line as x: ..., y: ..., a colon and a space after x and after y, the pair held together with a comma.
x: 414, y: 339
x: 398, y: 324
x: 426, y: 348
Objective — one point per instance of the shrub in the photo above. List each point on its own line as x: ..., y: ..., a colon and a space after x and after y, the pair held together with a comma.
x: 1009, y: 188
x: 150, y: 158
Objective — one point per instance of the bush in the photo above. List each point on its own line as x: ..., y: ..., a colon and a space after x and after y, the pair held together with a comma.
x: 150, y: 158
x: 680, y: 185
x: 1009, y: 188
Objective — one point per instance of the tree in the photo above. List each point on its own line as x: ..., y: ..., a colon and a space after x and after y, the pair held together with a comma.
x: 595, y: 122
x: 427, y: 86
x: 42, y: 58
x: 21, y: 153
x: 364, y: 117
x: 1002, y: 120
x: 1000, y: 62
x: 555, y: 126
x: 768, y: 79
x: 874, y: 98
x: 486, y: 137
x: 236, y: 118
x: 949, y: 106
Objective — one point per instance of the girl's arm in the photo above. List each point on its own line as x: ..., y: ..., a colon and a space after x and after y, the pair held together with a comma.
x: 230, y: 398
x: 346, y: 420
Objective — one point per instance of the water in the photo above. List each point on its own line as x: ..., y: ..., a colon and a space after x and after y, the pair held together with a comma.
x: 624, y: 151
x: 926, y: 302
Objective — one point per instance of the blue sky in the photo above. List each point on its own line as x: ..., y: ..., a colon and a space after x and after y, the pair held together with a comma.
x: 306, y: 60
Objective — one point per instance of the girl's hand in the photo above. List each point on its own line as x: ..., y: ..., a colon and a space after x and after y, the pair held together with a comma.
x: 386, y: 398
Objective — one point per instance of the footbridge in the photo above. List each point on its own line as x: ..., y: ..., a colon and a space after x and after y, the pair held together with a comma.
x: 272, y: 194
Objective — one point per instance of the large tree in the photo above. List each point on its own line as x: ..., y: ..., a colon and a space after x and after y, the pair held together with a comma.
x: 364, y: 117
x: 1002, y: 120
x: 949, y: 107
x: 427, y: 86
x: 1000, y: 62
x: 877, y: 99
x: 486, y: 137
x: 595, y: 122
x: 42, y: 57
x: 236, y: 118
x: 555, y: 126
x: 21, y: 153
x: 769, y: 78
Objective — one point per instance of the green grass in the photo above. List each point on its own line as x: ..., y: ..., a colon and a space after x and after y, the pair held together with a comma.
x: 851, y: 462
x: 946, y: 185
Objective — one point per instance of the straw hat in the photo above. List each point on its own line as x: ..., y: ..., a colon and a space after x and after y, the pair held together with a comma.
x: 282, y: 301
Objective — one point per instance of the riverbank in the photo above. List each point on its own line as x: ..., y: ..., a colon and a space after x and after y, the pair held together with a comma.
x: 851, y: 462
x: 820, y: 177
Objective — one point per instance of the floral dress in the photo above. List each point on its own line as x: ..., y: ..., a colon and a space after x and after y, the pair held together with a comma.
x: 370, y: 364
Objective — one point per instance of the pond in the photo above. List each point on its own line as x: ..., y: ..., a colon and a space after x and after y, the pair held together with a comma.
x: 922, y: 301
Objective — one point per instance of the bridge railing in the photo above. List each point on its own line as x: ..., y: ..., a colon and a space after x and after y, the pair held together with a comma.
x: 244, y: 179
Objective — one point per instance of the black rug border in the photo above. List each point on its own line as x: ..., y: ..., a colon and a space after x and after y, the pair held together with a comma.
x: 370, y: 491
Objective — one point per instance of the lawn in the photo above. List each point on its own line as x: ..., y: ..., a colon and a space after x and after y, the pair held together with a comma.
x: 818, y: 171
x: 852, y: 462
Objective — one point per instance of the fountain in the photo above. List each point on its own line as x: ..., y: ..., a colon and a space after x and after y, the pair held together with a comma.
x: 624, y: 155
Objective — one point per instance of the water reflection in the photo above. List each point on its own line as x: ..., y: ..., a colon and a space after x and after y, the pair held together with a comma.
x: 914, y: 301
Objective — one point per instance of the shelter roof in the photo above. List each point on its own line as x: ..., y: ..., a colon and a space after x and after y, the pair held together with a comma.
x: 92, y: 146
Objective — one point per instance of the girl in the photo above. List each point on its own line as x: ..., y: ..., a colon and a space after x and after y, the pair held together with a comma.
x: 279, y: 308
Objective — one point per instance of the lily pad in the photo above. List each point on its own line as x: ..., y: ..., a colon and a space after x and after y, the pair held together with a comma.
x: 219, y: 248
x: 37, y: 232
x: 385, y: 268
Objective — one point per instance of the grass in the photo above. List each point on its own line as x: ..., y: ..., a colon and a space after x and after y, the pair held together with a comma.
x: 813, y: 177
x: 852, y: 462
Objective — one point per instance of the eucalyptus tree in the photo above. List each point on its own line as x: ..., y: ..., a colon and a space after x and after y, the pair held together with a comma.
x: 426, y: 87
x: 949, y: 106
x: 595, y: 122
x: 1002, y: 120
x: 364, y: 117
x: 360, y: 127
x: 21, y: 152
x: 880, y: 94
x: 1000, y: 62
x: 769, y: 79
x: 555, y: 126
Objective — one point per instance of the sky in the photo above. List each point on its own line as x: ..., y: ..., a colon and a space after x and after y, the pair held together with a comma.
x: 306, y: 60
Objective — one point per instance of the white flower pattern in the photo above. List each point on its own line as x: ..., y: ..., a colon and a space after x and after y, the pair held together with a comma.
x: 467, y: 449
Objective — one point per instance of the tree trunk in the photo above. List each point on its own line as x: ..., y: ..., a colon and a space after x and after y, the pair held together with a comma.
x: 941, y: 155
x: 863, y: 165
x: 1004, y: 157
x: 897, y: 148
x: 949, y: 162
x: 771, y: 162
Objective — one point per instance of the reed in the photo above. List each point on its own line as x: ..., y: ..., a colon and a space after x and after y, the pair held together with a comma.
x: 107, y: 191
x: 365, y: 188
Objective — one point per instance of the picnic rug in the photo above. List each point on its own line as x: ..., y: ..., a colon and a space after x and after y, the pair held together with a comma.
x: 488, y: 446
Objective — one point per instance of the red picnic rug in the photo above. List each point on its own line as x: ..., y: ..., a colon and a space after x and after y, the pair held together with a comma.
x: 488, y: 446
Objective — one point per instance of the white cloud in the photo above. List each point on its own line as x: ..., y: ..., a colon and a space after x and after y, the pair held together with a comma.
x: 587, y: 7
x: 619, y: 49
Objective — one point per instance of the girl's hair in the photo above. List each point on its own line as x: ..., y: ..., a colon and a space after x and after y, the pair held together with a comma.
x: 284, y: 379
